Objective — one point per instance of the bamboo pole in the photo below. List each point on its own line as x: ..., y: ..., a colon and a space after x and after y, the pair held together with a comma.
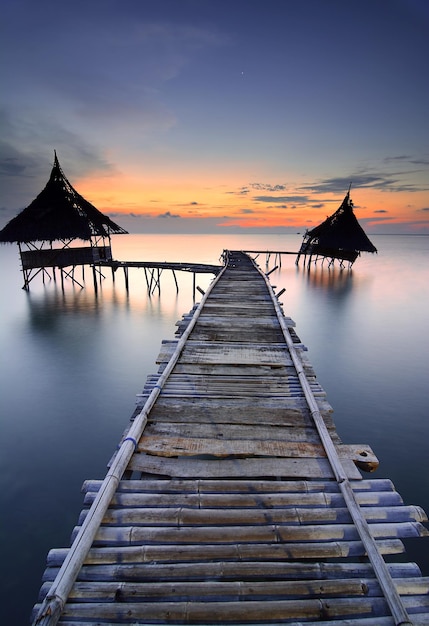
x: 387, y: 585
x: 53, y: 605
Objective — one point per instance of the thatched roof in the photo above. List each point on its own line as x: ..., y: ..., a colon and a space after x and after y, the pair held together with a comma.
x: 341, y: 231
x: 58, y: 213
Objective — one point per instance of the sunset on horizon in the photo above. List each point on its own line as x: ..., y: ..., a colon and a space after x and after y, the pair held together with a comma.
x: 201, y: 116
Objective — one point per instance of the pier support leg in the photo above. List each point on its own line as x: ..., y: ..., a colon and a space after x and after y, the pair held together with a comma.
x: 126, y: 278
x: 175, y: 280
x: 147, y: 280
x: 94, y: 276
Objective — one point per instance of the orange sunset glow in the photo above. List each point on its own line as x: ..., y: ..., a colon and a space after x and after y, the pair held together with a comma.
x: 230, y: 204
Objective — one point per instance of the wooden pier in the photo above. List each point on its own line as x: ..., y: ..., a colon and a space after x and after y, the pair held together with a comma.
x: 231, y: 499
x: 153, y: 270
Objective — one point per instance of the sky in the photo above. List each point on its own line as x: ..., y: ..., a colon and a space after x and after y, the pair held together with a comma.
x: 219, y: 115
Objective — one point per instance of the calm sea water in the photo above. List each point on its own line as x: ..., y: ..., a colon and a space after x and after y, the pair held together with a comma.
x: 72, y: 362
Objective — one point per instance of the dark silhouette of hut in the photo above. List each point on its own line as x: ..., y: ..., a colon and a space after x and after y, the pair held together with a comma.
x: 339, y: 237
x: 59, y: 214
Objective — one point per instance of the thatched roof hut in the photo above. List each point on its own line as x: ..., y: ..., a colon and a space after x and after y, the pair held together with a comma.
x: 58, y: 213
x: 340, y: 237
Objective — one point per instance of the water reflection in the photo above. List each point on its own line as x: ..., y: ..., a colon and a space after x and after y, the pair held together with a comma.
x: 331, y: 280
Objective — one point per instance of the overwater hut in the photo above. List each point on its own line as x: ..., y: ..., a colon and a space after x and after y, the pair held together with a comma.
x: 48, y: 229
x: 339, y: 237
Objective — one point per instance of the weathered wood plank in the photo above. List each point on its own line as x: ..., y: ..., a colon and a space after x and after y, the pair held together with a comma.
x: 227, y: 352
x: 363, y: 488
x: 271, y: 533
x: 243, y: 468
x: 419, y: 619
x: 210, y: 591
x: 150, y: 563
x: 182, y: 446
x: 231, y: 432
x: 215, y: 590
x: 271, y: 410
x: 246, y: 500
x: 233, y: 612
x: 183, y: 516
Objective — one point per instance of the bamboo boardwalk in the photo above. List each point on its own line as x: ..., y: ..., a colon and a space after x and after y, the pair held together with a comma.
x: 231, y: 499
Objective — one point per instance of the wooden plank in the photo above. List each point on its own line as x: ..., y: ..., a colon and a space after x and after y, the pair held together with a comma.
x: 198, y: 368
x: 268, y: 533
x: 151, y: 563
x: 215, y: 557
x: 228, y: 612
x: 242, y: 468
x: 236, y: 334
x: 185, y: 516
x: 236, y: 354
x: 275, y: 411
x: 362, y: 488
x: 419, y: 619
x: 182, y: 446
x: 231, y: 432
x: 247, y: 500
x: 215, y: 590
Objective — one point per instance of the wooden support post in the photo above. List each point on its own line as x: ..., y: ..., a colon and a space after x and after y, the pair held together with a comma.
x: 126, y: 278
x: 151, y: 281
x: 94, y: 276
x: 147, y: 280
x: 175, y: 280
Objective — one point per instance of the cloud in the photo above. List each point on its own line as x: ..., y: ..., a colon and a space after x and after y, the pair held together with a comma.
x: 426, y: 208
x: 298, y: 199
x: 247, y: 211
x: 381, y: 211
x: 167, y: 214
x: 241, y: 192
x: 317, y: 206
x: 267, y: 187
x: 373, y: 179
x: 406, y: 158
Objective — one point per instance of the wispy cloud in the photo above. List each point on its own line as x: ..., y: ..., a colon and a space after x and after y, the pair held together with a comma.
x: 282, y: 199
x: 168, y: 214
x: 399, y: 180
x: 267, y: 187
x: 406, y: 158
